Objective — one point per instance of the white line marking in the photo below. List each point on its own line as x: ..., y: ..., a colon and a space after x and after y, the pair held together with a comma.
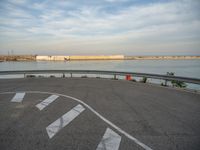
x: 18, y: 97
x: 46, y: 102
x: 96, y: 113
x: 61, y: 122
x: 110, y: 141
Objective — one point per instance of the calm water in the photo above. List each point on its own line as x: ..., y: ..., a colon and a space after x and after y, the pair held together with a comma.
x: 186, y: 68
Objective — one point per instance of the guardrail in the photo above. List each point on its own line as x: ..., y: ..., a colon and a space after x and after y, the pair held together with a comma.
x: 114, y: 73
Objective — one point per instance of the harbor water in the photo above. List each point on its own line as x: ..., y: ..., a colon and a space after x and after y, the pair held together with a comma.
x: 185, y: 68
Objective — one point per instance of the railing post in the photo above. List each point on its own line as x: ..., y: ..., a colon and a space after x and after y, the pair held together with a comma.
x: 71, y: 75
x: 166, y: 82
x: 24, y: 75
x: 115, y: 77
x: 63, y: 75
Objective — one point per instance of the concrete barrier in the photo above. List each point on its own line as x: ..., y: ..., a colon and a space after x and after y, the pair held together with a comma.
x: 64, y: 58
x: 52, y: 58
x: 100, y: 57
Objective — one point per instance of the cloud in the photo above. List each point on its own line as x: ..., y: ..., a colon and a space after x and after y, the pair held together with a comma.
x: 110, y: 22
x: 116, y: 0
x: 89, y: 21
x: 17, y: 2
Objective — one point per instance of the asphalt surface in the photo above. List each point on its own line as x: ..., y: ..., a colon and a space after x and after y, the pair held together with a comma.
x: 161, y: 118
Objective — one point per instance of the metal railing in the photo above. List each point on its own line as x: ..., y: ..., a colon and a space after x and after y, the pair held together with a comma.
x: 100, y: 72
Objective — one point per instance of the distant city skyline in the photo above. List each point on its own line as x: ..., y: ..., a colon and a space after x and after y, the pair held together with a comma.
x: 95, y: 27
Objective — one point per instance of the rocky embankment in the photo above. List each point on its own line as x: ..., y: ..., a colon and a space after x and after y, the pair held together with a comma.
x: 17, y: 57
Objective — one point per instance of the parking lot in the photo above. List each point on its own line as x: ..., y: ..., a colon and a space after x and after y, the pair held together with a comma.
x: 96, y: 114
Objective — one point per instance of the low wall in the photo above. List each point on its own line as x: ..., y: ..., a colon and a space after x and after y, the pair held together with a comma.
x: 64, y: 58
x: 52, y: 58
x: 100, y: 57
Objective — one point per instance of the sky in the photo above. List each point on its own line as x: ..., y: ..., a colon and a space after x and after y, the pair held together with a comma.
x: 101, y: 27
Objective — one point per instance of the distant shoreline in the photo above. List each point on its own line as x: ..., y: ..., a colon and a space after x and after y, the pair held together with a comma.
x: 161, y: 57
x: 94, y: 57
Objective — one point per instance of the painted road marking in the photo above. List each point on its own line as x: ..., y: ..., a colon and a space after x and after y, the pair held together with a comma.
x: 61, y: 122
x: 46, y: 102
x: 110, y: 141
x: 18, y: 97
x: 129, y: 136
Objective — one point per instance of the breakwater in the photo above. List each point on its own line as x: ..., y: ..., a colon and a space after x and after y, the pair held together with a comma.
x: 94, y: 57
x: 76, y: 57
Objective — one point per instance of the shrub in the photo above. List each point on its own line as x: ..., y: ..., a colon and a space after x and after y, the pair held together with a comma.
x: 52, y: 76
x: 133, y: 80
x: 179, y: 84
x: 84, y: 76
x: 144, y: 80
x: 175, y: 83
x: 30, y: 76
x: 162, y: 84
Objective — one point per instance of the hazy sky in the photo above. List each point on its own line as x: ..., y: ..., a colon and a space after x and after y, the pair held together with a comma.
x: 130, y: 27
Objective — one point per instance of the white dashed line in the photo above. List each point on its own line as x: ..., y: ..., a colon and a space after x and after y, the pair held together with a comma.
x: 110, y: 141
x: 61, y: 122
x: 46, y: 102
x: 18, y: 97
